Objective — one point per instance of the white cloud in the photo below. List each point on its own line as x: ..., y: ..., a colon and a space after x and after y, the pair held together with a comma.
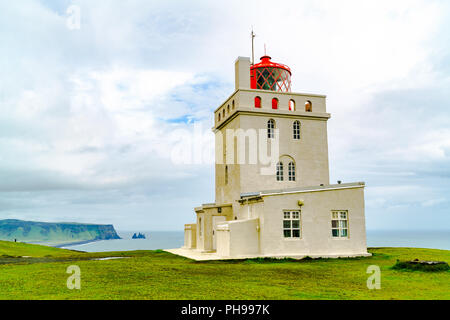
x: 97, y: 107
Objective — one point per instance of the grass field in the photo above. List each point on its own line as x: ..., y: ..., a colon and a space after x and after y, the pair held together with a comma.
x: 37, y: 272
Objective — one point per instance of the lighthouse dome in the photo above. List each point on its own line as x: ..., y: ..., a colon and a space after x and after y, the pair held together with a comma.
x: 268, y: 75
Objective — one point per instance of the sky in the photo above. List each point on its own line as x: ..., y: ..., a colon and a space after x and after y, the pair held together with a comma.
x: 92, y: 94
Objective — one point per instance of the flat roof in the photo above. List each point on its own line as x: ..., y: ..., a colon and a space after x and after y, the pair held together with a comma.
x: 328, y: 187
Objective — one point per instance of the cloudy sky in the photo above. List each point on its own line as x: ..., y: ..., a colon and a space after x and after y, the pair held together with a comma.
x: 88, y: 114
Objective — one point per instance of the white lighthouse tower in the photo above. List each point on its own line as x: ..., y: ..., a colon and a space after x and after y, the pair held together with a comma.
x: 273, y: 194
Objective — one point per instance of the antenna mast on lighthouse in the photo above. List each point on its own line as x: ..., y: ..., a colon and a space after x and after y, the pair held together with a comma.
x: 253, y: 47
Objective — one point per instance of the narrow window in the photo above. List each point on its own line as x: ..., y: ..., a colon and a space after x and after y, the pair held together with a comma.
x: 232, y: 105
x: 226, y: 174
x: 223, y: 112
x: 228, y: 109
x: 271, y: 129
x: 291, y: 224
x: 219, y: 116
x: 291, y: 171
x: 274, y: 103
x: 339, y: 224
x: 291, y: 105
x: 280, y: 176
x: 308, y: 106
x: 296, y: 130
x: 257, y: 102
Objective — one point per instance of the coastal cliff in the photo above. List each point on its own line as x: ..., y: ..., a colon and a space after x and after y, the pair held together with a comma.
x: 30, y: 231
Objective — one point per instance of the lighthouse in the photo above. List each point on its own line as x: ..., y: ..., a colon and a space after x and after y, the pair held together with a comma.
x: 273, y: 196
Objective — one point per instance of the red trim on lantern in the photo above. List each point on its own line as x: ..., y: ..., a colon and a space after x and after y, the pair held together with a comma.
x: 268, y: 75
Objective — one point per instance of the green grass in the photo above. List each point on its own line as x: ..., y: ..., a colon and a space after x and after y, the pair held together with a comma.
x: 18, y: 249
x: 160, y: 275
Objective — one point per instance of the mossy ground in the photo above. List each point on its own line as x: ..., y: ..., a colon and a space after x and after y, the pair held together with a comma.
x: 160, y: 275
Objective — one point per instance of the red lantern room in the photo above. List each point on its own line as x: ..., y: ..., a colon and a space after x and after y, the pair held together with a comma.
x: 268, y: 75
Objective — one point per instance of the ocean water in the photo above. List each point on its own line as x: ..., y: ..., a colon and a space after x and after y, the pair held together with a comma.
x: 175, y: 239
x: 154, y: 240
x: 410, y: 239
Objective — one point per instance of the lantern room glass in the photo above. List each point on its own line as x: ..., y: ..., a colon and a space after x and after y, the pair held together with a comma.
x: 274, y: 79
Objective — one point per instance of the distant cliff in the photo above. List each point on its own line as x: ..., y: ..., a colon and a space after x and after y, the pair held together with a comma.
x: 29, y: 231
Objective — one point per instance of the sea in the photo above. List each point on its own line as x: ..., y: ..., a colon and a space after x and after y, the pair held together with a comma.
x: 174, y: 239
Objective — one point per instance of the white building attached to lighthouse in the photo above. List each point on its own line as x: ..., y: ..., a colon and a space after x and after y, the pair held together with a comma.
x: 273, y: 194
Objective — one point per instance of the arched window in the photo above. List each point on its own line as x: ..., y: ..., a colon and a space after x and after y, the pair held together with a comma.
x: 271, y: 129
x: 280, y: 171
x: 291, y: 171
x: 232, y: 105
x: 223, y: 112
x: 219, y: 116
x: 296, y: 130
x: 274, y: 103
x: 228, y: 109
x: 291, y: 105
x: 257, y: 102
x: 226, y: 174
x: 308, y: 106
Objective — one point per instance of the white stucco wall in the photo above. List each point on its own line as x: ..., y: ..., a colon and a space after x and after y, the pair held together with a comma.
x: 238, y: 238
x: 316, y: 238
x: 310, y: 152
x: 190, y: 236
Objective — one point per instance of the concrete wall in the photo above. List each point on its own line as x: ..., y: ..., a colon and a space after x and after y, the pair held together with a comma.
x: 223, y: 240
x: 190, y: 236
x: 238, y: 238
x: 316, y: 238
x: 242, y: 73
x: 310, y: 153
x: 226, y: 192
x: 244, y: 99
x: 205, y: 227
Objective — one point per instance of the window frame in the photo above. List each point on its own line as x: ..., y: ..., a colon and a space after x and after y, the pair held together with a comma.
x: 340, y: 226
x: 296, y: 131
x: 226, y: 174
x: 291, y: 171
x: 293, y: 105
x: 308, y: 109
x: 271, y: 125
x: 291, y: 228
x: 280, y: 171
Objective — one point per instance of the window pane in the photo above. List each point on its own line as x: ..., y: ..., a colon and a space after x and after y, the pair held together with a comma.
x: 343, y: 215
x: 335, y: 232
x: 295, y: 223
x: 343, y: 223
x: 287, y: 233
x: 335, y: 215
x: 295, y: 215
x: 334, y: 223
x: 343, y: 232
x: 296, y: 233
x: 286, y: 224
